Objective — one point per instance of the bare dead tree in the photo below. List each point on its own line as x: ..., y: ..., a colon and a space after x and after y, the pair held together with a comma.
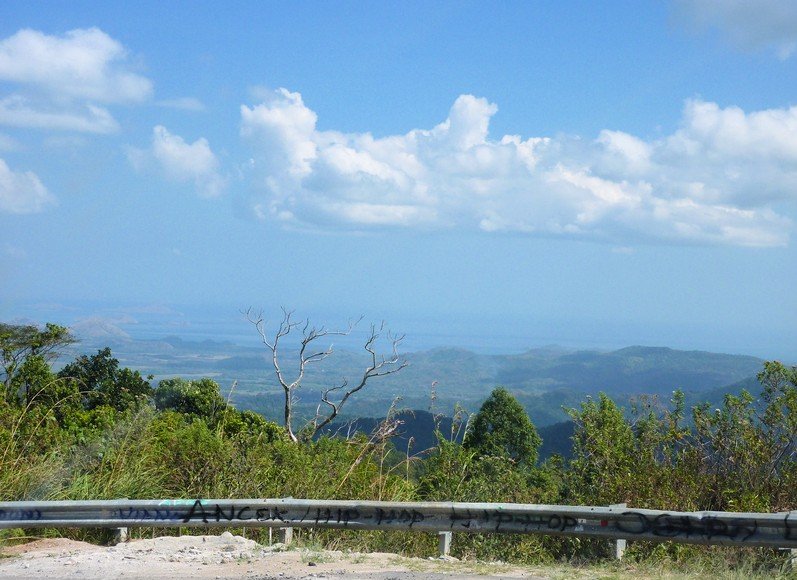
x: 333, y: 398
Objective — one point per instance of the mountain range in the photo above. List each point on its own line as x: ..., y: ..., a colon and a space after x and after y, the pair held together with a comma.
x: 440, y: 380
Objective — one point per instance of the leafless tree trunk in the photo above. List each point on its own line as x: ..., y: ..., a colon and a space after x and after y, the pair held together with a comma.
x: 332, y: 398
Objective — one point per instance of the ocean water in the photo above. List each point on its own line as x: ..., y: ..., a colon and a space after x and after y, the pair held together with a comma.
x: 488, y: 333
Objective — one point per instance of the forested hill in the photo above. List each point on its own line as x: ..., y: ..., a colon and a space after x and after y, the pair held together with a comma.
x: 629, y: 370
x: 417, y: 432
x: 543, y: 379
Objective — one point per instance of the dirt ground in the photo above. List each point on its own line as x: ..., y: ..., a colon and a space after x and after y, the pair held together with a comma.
x: 227, y: 556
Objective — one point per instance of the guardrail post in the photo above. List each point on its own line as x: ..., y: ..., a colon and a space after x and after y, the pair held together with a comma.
x: 791, y: 563
x: 790, y: 566
x: 619, y: 545
x: 444, y: 543
x: 120, y: 535
x: 286, y: 535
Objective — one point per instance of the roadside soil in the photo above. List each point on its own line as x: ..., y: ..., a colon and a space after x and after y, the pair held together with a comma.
x: 228, y: 556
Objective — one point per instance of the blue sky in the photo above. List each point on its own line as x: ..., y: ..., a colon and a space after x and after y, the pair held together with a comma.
x: 512, y: 174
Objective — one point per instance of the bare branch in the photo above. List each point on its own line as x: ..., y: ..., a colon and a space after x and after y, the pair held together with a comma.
x: 309, y: 354
x: 379, y: 367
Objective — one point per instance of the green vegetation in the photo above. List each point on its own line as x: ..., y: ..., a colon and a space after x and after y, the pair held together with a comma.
x: 502, y: 428
x: 95, y: 430
x: 544, y: 380
x: 21, y: 343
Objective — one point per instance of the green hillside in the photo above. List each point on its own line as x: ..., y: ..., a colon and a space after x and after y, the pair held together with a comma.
x: 543, y: 379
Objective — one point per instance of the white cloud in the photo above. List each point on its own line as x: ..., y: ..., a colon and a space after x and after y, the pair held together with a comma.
x: 16, y: 111
x: 747, y: 23
x: 283, y: 120
x: 60, y: 82
x: 22, y: 192
x: 733, y: 133
x: 712, y: 181
x: 83, y: 64
x: 182, y: 162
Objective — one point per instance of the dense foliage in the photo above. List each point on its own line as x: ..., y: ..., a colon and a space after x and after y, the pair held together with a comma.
x: 94, y: 430
x: 502, y: 428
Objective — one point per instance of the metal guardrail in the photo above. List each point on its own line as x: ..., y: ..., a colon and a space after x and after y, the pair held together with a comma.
x: 721, y: 528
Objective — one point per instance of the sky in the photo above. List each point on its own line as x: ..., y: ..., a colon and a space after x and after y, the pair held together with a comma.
x: 488, y: 175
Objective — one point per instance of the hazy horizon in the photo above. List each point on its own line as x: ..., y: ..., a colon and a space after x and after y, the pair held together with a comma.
x: 95, y: 323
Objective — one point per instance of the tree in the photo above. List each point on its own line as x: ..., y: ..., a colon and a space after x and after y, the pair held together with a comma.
x: 502, y: 428
x: 604, y: 458
x: 746, y: 450
x: 19, y: 342
x: 333, y: 398
x: 102, y: 382
x: 38, y: 387
x: 201, y: 398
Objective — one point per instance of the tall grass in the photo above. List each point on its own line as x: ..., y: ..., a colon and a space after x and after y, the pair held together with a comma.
x: 31, y: 462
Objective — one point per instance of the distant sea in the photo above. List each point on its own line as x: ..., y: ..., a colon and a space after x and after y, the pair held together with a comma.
x: 488, y: 333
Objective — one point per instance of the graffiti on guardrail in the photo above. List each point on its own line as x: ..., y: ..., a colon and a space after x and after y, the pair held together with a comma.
x: 630, y: 523
x: 20, y: 515
x: 669, y: 526
x: 487, y: 520
x: 157, y: 514
x: 496, y: 519
x: 206, y: 513
x: 610, y: 522
x: 789, y: 528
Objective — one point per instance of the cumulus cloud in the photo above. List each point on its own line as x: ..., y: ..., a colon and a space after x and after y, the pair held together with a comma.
x: 64, y: 82
x: 748, y: 24
x: 182, y: 162
x: 22, y: 192
x: 714, y: 180
x: 83, y: 63
x: 285, y: 121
